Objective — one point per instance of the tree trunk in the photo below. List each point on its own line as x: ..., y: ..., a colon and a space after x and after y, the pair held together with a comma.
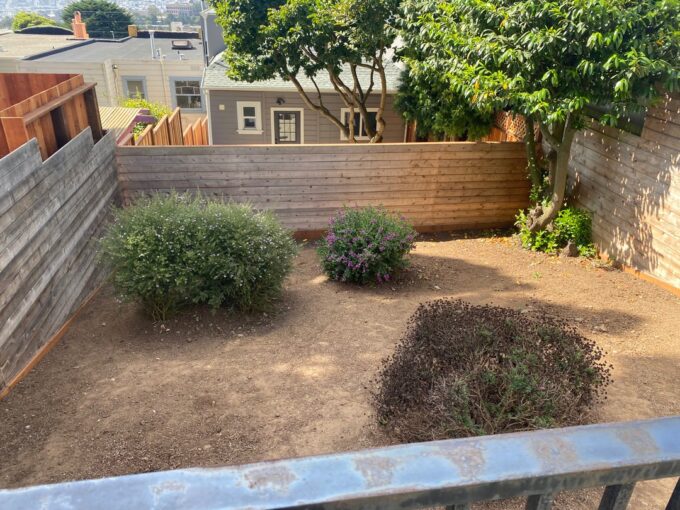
x: 530, y: 145
x: 379, y: 119
x: 559, y: 184
x: 321, y: 108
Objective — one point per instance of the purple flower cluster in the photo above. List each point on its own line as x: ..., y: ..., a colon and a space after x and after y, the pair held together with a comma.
x: 364, y: 245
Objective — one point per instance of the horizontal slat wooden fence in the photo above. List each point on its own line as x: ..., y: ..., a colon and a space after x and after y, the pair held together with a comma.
x: 632, y: 186
x: 49, y: 214
x: 435, y: 185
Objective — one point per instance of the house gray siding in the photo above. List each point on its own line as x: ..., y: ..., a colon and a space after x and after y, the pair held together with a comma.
x: 214, y: 38
x: 317, y: 128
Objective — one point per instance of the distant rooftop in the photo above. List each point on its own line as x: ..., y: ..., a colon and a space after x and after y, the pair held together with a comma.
x: 125, y: 49
x: 22, y: 45
x: 215, y: 78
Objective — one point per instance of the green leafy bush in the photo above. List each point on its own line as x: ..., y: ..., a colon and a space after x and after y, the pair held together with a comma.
x: 138, y: 129
x: 157, y: 110
x: 365, y: 245
x: 25, y: 19
x: 464, y: 370
x: 571, y: 224
x: 171, y: 251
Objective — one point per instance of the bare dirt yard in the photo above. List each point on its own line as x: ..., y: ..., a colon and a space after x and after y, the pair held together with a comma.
x: 120, y: 394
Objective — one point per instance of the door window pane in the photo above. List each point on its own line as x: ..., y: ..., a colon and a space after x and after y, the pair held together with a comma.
x: 287, y: 126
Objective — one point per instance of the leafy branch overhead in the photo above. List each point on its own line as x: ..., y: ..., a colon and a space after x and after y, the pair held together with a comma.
x: 346, y: 41
x: 547, y: 60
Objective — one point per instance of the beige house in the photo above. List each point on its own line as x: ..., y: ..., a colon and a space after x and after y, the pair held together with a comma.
x: 272, y: 111
x: 167, y: 69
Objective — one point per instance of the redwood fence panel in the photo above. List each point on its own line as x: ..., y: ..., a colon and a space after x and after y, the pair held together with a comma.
x: 52, y: 108
x: 146, y: 136
x: 49, y: 213
x: 161, y: 136
x: 175, y: 128
x: 188, y: 136
x: 435, y: 185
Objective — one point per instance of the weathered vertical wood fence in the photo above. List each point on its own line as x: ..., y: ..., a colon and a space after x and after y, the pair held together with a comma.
x: 50, y: 212
x: 435, y: 185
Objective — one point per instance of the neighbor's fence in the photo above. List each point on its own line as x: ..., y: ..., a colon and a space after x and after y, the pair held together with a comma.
x: 196, y: 133
x: 49, y: 213
x: 52, y: 108
x: 168, y: 131
x: 631, y: 184
x: 452, y: 473
x: 435, y: 185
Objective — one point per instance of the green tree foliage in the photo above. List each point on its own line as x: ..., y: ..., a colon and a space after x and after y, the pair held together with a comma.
x: 427, y: 99
x: 547, y: 60
x: 25, y: 19
x: 101, y: 17
x: 298, y: 40
x: 157, y: 110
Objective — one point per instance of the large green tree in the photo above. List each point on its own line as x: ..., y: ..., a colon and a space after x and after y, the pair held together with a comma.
x: 102, y: 18
x: 25, y: 19
x: 548, y: 60
x: 300, y: 40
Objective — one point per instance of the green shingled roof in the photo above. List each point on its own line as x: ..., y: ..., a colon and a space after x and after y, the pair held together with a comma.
x: 215, y: 78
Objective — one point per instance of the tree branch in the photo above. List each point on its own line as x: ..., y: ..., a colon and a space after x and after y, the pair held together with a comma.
x: 549, y: 137
x: 319, y: 108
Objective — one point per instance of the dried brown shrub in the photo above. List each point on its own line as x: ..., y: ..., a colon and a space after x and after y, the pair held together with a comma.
x: 464, y: 370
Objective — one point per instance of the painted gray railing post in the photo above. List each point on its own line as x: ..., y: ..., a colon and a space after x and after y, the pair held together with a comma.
x: 453, y: 473
x: 616, y: 497
x: 540, y: 502
x: 674, y: 501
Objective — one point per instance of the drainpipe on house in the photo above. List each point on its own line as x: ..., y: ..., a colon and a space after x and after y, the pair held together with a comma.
x: 164, y: 81
x: 207, y: 109
x: 153, y: 50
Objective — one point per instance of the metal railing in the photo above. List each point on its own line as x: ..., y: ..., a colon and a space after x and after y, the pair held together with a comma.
x: 451, y: 473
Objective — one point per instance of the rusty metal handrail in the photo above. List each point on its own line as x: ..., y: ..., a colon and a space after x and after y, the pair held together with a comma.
x: 451, y: 473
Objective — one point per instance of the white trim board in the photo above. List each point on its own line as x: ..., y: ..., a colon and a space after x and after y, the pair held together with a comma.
x: 258, y: 117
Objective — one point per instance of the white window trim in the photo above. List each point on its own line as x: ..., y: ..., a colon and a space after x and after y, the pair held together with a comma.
x: 283, y: 109
x: 343, y: 111
x: 240, y: 105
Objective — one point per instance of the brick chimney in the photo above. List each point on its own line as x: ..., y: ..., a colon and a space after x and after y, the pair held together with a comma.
x: 79, y: 29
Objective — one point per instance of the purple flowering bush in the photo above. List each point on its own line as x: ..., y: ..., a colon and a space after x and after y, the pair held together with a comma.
x: 366, y: 245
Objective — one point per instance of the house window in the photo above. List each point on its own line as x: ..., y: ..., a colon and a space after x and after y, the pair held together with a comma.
x: 359, y: 128
x: 135, y: 87
x: 188, y: 94
x: 249, y: 117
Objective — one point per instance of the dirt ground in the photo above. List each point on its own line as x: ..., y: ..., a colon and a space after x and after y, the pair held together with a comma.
x: 122, y: 395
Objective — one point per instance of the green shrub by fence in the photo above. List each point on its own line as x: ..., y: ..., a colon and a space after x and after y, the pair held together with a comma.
x: 170, y: 251
x: 365, y: 245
